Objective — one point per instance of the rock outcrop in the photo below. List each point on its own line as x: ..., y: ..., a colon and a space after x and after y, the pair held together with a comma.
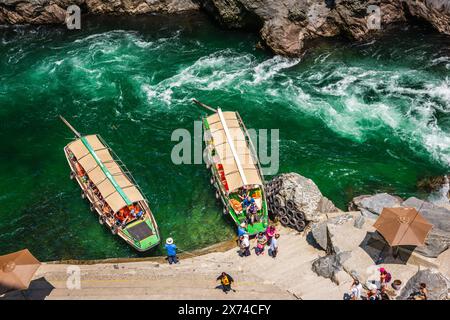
x: 438, y: 239
x: 284, y: 25
x: 330, y: 265
x: 294, y: 194
x: 436, y: 12
x: 436, y: 285
x: 431, y: 184
x: 54, y: 11
x: 322, y: 232
x: 371, y: 206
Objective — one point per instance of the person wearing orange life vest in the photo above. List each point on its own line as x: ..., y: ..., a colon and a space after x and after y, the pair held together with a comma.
x: 226, y: 280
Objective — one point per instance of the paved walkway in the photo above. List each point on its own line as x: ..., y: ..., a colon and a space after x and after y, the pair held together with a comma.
x: 289, y: 276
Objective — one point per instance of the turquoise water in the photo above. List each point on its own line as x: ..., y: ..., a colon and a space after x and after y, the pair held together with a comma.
x: 356, y: 118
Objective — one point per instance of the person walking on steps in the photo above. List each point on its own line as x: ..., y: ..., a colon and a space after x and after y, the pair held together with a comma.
x: 240, y: 232
x: 273, y: 248
x: 225, y: 280
x: 244, y: 246
x: 171, y: 249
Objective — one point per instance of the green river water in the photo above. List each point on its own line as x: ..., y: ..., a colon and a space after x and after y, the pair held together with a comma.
x: 356, y: 118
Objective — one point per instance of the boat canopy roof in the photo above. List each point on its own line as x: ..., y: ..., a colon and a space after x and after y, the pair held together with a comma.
x: 102, y: 169
x: 232, y: 150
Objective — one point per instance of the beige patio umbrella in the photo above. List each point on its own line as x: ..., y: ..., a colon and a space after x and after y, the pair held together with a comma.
x: 17, y: 270
x: 402, y: 226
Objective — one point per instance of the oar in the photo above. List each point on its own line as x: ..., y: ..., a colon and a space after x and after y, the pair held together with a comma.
x: 70, y: 127
x: 204, y: 105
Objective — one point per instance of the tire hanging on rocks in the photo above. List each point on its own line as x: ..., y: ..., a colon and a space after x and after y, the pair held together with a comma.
x: 292, y: 224
x: 300, y: 225
x: 300, y: 215
x: 284, y: 221
x: 281, y: 212
x: 278, y: 201
x: 291, y: 214
x: 290, y: 204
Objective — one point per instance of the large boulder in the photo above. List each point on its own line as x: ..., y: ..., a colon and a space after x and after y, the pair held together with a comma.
x: 372, y: 205
x: 324, y: 233
x: 295, y: 192
x: 329, y: 266
x: 438, y: 239
x: 436, y: 12
x: 436, y: 285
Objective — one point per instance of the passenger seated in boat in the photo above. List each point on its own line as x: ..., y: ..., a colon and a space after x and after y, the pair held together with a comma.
x: 106, y: 209
x: 247, y: 201
x: 252, y: 213
x: 122, y: 217
x: 79, y: 169
x: 136, y: 212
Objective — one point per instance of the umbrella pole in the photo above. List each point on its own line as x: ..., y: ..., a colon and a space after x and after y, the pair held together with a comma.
x: 396, y: 251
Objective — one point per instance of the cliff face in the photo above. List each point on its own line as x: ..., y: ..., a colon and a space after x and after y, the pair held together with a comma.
x: 284, y: 25
x: 54, y: 11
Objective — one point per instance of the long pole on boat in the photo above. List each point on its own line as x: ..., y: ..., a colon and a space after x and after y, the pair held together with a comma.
x: 204, y: 105
x: 70, y: 127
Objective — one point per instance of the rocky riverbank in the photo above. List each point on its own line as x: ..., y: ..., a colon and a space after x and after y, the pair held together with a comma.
x: 285, y: 26
x: 353, y: 247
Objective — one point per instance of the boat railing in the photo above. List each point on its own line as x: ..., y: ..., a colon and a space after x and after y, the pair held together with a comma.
x: 123, y: 167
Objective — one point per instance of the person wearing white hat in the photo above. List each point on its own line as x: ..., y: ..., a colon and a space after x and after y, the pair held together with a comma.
x: 171, y: 249
x: 241, y: 229
x: 240, y: 232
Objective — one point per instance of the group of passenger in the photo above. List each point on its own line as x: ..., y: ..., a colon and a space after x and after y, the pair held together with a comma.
x: 127, y: 214
x: 123, y: 216
x: 382, y: 290
x: 262, y: 239
x: 250, y: 208
x: 106, y: 209
x: 374, y: 291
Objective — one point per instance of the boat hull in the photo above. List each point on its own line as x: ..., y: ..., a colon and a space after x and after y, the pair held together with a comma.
x: 141, y: 246
x: 224, y: 196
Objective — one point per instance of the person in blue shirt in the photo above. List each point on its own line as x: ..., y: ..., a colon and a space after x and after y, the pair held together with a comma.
x: 171, y: 249
x: 248, y: 200
x: 241, y: 229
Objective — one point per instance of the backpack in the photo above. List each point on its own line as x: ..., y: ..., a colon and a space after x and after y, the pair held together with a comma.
x: 388, y: 277
x: 225, y: 281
